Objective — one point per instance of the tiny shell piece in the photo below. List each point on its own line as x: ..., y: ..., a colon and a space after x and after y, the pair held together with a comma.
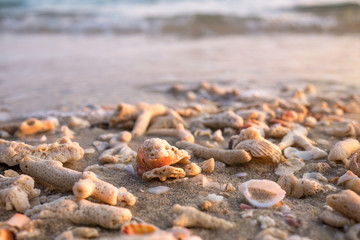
x: 186, y: 216
x: 217, y: 136
x: 289, y: 167
x: 33, y: 125
x: 208, y: 166
x: 262, y: 193
x: 278, y: 131
x: 266, y: 222
x: 158, y: 189
x: 272, y: 233
x: 346, y: 202
x: 133, y: 228
x: 163, y: 173
x: 342, y: 150
x: 156, y: 153
x: 214, y: 198
x: 192, y: 169
x: 354, y: 164
x: 205, y: 205
x: 350, y: 181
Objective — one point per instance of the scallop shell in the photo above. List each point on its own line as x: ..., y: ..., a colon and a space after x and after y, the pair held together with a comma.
x: 262, y: 193
x: 133, y: 228
x: 261, y: 148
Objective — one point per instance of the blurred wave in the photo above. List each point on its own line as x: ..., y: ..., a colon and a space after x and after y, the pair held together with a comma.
x: 183, y: 17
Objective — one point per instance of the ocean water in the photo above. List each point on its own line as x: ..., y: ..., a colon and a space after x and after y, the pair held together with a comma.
x: 195, y: 18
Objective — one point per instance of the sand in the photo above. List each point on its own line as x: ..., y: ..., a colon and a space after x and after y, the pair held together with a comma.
x: 50, y: 72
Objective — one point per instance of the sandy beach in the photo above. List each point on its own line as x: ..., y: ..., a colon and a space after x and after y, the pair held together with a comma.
x: 47, y: 72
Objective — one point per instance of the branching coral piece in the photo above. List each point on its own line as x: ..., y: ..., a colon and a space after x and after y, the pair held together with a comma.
x: 180, y: 132
x: 15, y: 192
x: 230, y: 157
x: 90, y: 185
x: 51, y: 172
x: 346, y: 202
x: 121, y: 153
x: 82, y: 212
x: 163, y: 173
x: 33, y: 125
x: 142, y: 112
x: 299, y: 187
x: 293, y: 137
x: 342, y: 150
x: 186, y: 216
x: 223, y: 120
x: 63, y: 150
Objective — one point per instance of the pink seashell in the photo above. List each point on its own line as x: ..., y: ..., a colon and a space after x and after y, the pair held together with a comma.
x: 262, y: 193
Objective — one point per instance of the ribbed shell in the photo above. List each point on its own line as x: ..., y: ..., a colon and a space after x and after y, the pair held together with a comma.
x: 261, y: 148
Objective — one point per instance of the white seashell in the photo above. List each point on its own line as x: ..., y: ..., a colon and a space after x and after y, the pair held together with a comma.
x: 89, y: 151
x: 241, y: 174
x: 158, y: 189
x: 130, y: 169
x: 262, y: 193
x: 214, y: 198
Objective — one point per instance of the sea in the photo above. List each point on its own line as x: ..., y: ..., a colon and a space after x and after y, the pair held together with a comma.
x: 181, y: 17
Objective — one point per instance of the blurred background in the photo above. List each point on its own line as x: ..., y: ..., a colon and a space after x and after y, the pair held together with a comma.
x: 63, y: 54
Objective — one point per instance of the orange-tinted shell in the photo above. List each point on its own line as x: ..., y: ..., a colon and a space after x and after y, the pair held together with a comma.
x: 145, y: 164
x: 133, y: 228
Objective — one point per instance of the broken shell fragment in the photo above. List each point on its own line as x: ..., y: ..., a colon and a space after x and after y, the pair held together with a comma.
x: 156, y: 153
x: 342, y: 150
x: 354, y: 164
x: 350, y: 181
x: 33, y: 125
x: 133, y: 228
x: 163, y: 173
x: 346, y: 202
x: 207, y: 166
x: 192, y: 169
x: 262, y: 193
x: 186, y: 216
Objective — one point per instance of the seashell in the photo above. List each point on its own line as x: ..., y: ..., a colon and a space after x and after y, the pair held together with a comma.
x: 266, y: 222
x: 156, y: 153
x: 205, y: 205
x: 261, y: 149
x: 272, y: 233
x: 262, y: 193
x: 207, y: 166
x: 33, y: 125
x: 217, y: 136
x: 350, y: 181
x: 291, y: 220
x: 134, y: 228
x: 192, y: 169
x: 158, y: 189
x: 163, y: 173
x: 215, y: 198
x: 342, y: 150
x: 346, y: 202
x: 354, y: 164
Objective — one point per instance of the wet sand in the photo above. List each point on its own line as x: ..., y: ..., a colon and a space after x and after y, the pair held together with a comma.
x: 44, y: 72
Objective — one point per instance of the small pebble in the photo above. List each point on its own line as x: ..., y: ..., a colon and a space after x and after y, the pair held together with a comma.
x: 158, y: 189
